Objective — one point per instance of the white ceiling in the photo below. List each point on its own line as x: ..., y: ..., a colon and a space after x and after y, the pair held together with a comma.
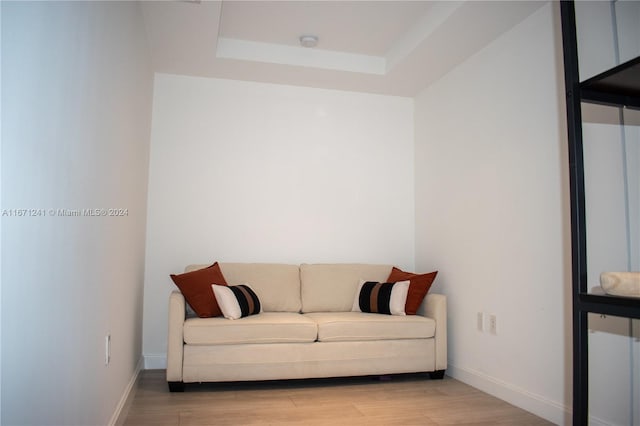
x: 360, y: 27
x: 387, y: 47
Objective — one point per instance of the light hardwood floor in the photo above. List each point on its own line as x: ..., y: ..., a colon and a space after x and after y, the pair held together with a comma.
x: 397, y: 400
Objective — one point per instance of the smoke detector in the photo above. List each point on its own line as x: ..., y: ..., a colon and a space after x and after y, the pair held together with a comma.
x: 308, y: 41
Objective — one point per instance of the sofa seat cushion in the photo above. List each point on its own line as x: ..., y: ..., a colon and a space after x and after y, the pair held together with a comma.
x: 266, y: 327
x: 354, y: 326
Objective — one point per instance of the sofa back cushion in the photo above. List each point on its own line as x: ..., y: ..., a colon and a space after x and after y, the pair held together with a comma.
x: 332, y: 287
x: 276, y: 285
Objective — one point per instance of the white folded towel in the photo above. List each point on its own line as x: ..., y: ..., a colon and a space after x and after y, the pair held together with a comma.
x: 621, y: 283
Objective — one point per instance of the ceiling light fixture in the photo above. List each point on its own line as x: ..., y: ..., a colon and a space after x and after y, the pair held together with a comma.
x: 308, y: 41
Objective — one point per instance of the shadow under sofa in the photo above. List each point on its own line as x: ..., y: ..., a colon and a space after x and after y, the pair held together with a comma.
x: 306, y: 329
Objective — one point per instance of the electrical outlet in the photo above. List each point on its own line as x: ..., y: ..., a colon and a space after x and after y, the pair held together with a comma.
x: 107, y: 349
x: 480, y: 321
x: 493, y: 324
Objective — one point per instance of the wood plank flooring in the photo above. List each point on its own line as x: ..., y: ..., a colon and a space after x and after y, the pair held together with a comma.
x: 398, y: 400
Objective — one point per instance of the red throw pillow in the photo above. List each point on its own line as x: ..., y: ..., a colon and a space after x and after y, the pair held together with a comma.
x: 197, y: 290
x: 418, y: 287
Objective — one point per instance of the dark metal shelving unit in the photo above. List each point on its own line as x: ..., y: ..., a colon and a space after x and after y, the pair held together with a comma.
x: 618, y: 87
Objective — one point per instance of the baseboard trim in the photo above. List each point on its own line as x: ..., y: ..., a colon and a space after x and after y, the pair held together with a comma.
x: 120, y: 412
x: 155, y: 361
x: 536, y: 404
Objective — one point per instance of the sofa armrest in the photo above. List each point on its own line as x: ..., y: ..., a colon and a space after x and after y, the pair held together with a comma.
x: 435, y: 307
x: 175, y: 340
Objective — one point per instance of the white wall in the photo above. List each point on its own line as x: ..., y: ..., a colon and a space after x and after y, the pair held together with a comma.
x: 76, y: 106
x: 252, y: 172
x: 596, y: 40
x: 492, y: 214
x: 608, y: 34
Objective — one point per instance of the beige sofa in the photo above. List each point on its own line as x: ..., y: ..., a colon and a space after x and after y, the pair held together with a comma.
x: 306, y: 330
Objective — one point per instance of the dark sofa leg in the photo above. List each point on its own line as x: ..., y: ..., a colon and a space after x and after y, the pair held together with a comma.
x: 437, y: 375
x: 176, y: 386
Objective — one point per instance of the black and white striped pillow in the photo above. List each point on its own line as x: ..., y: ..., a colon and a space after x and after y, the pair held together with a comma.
x: 381, y: 298
x: 237, y: 301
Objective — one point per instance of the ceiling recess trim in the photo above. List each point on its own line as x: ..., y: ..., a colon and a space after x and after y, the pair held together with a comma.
x: 228, y: 48
x: 421, y: 31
